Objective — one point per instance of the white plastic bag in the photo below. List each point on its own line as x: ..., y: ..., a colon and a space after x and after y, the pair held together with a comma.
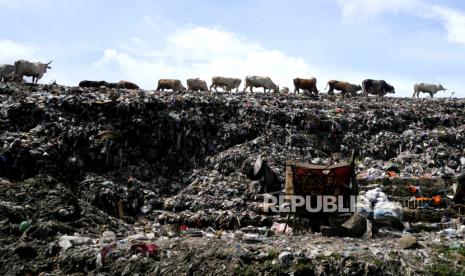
x: 388, y: 209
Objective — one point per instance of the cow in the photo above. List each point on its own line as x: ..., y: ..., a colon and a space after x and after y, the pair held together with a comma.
x: 344, y: 87
x: 6, y: 72
x: 172, y: 84
x: 93, y: 84
x: 427, y: 88
x: 226, y: 83
x: 376, y: 87
x: 306, y: 85
x: 127, y: 85
x: 30, y: 69
x: 257, y: 81
x: 197, y: 85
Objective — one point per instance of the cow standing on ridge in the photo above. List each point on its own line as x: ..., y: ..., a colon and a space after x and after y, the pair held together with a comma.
x: 427, y: 88
x: 226, y: 83
x: 306, y: 85
x: 256, y: 81
x: 173, y: 84
x: 376, y: 87
x: 344, y: 87
x: 30, y: 69
x: 197, y: 85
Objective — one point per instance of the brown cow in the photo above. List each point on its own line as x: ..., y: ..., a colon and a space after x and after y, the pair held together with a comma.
x: 172, y: 84
x: 308, y: 85
x: 127, y: 85
x: 197, y: 85
x: 344, y: 87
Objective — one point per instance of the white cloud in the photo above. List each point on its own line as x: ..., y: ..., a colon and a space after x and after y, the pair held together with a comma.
x: 363, y: 9
x: 202, y: 52
x: 453, y: 21
x: 11, y: 51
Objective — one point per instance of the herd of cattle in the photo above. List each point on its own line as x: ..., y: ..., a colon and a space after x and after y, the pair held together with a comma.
x: 36, y: 70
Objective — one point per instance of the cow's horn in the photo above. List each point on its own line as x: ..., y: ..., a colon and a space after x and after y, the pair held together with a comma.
x: 49, y: 62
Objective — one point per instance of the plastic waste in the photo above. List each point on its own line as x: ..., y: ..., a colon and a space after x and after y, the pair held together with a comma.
x: 388, y: 209
x: 376, y: 195
x: 280, y: 228
x: 23, y: 226
x: 149, y: 248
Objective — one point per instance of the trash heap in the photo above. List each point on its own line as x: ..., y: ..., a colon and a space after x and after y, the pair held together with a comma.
x: 94, y: 177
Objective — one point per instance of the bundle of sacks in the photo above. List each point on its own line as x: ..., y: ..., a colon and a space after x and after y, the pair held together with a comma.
x: 375, y: 205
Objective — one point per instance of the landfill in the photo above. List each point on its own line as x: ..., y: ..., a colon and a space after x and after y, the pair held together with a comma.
x: 114, y: 181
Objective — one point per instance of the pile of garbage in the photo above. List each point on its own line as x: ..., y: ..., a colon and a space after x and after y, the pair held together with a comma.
x: 123, y: 181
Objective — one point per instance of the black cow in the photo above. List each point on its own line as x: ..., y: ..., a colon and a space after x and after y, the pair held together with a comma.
x: 376, y: 87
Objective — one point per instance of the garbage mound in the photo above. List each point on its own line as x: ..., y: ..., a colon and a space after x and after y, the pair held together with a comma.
x: 81, y: 168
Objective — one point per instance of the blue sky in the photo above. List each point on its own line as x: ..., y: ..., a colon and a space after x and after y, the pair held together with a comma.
x: 401, y: 41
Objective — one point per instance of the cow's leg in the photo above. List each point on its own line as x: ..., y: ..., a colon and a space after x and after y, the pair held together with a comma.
x: 431, y: 94
x: 264, y: 90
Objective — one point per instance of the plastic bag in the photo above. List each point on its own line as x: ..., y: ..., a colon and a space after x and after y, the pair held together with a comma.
x: 388, y: 209
x: 376, y: 195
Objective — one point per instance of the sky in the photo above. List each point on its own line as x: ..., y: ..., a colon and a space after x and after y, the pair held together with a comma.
x: 401, y: 41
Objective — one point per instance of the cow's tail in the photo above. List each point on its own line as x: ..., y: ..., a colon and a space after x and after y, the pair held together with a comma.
x: 327, y: 85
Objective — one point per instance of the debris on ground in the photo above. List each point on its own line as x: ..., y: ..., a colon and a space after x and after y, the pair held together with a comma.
x: 110, y: 179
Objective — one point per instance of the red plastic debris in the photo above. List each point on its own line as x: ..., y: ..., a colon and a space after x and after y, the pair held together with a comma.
x: 149, y: 248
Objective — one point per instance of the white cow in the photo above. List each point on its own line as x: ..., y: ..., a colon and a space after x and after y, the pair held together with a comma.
x: 256, y: 81
x: 426, y: 88
x: 226, y: 83
x: 30, y: 69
